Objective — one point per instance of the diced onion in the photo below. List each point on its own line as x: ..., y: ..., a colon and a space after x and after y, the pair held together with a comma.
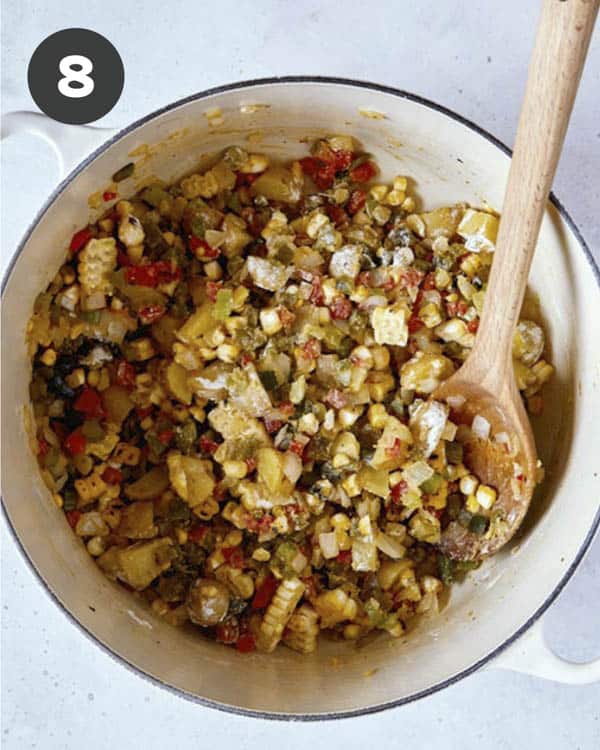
x: 299, y: 562
x: 390, y: 546
x: 417, y: 473
x: 329, y: 545
x: 481, y: 427
x: 292, y: 466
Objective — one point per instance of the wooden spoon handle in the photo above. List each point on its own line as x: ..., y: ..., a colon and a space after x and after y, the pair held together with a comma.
x: 554, y: 71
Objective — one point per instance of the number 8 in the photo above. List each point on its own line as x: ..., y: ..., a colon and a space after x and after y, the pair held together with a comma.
x: 79, y: 76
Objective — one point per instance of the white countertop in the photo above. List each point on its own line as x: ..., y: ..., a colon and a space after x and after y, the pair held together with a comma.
x: 58, y: 689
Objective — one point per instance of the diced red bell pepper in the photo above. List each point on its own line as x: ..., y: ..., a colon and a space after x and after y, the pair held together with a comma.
x: 125, y: 374
x: 143, y: 412
x: 73, y: 517
x: 246, y: 643
x: 364, y: 172
x: 108, y: 195
x: 110, y: 475
x: 310, y: 165
x: 152, y: 274
x: 243, y: 179
x: 233, y: 556
x: 316, y: 295
x: 398, y: 490
x: 312, y: 348
x: 357, y: 200
x: 394, y: 450
x: 202, y: 249
x: 197, y: 533
x: 338, y: 399
x: 212, y: 289
x: 80, y: 240
x: 341, y: 308
x: 285, y: 316
x: 75, y: 442
x: 336, y: 214
x: 457, y: 308
x: 150, y: 314
x: 207, y: 445
x: 272, y: 425
x: 414, y: 324
x: 89, y: 403
x: 286, y: 408
x: 344, y: 557
x: 342, y: 159
x: 245, y: 359
x: 43, y: 448
x: 265, y: 592
x: 410, y: 277
x: 473, y: 325
x: 325, y: 176
x: 429, y: 282
x: 166, y: 436
x: 297, y: 448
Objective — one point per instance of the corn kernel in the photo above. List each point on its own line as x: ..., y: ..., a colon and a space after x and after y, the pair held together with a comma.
x: 468, y: 484
x: 408, y: 204
x: 160, y: 607
x: 486, y: 496
x: 58, y: 500
x: 348, y: 415
x: 378, y: 416
x: 381, y: 356
x: 261, y: 555
x: 233, y: 539
x: 182, y: 536
x: 270, y: 321
x: 76, y: 378
x: 400, y: 183
x: 351, y: 485
x: 309, y: 424
x: 395, y: 198
x: 471, y: 504
x: 379, y: 192
x: 235, y: 469
x: 340, y: 460
x: 93, y: 378
x: 95, y: 546
x: 351, y: 632
x: 49, y: 357
x: 239, y: 297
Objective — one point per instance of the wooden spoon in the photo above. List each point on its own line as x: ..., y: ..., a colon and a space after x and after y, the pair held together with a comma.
x: 486, y: 381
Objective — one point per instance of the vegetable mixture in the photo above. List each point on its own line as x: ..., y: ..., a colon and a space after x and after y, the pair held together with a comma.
x: 231, y: 381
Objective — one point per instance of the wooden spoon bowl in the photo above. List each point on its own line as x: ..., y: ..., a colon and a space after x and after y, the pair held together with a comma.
x: 485, y: 384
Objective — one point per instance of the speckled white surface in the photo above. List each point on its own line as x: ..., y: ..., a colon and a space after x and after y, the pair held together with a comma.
x: 58, y: 689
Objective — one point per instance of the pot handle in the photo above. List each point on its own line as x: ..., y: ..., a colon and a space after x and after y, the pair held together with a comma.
x: 531, y: 655
x: 70, y: 143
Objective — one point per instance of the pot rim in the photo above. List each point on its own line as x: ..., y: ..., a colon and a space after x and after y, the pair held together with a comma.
x: 255, y: 713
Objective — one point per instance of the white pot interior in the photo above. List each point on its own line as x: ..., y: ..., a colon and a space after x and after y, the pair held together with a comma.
x: 449, y: 163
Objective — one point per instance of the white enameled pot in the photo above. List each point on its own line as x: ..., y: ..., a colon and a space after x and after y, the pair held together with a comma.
x: 487, y: 618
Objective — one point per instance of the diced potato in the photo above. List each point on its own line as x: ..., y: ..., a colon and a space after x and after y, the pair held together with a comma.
x: 117, y: 403
x: 270, y: 464
x: 177, y: 380
x: 427, y: 424
x: 191, y: 477
x: 345, y: 263
x: 137, y: 521
x: 425, y: 371
x: 391, y: 572
x: 479, y: 230
x: 390, y: 324
x: 425, y: 527
x: 268, y: 274
x: 150, y: 485
x: 247, y: 392
x: 235, y: 425
x: 198, y: 324
x: 528, y: 343
x: 140, y: 563
x: 236, y: 236
x: 279, y: 184
x: 375, y: 481
x: 442, y: 222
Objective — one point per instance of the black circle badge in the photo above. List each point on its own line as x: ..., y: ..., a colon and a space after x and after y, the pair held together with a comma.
x: 75, y: 76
